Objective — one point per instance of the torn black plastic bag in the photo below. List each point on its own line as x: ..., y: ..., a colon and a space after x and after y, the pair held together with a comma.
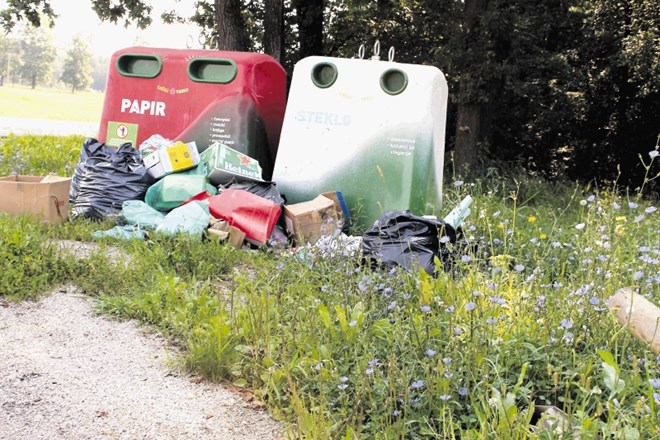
x: 399, y: 238
x: 267, y: 190
x: 105, y: 178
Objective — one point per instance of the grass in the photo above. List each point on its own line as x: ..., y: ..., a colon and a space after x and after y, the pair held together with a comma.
x: 340, y: 351
x: 24, y: 102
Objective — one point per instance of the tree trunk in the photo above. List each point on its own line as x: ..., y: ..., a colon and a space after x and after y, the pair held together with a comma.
x: 33, y: 80
x: 309, y: 17
x: 471, y: 136
x: 274, y: 29
x: 469, y: 128
x: 232, y: 33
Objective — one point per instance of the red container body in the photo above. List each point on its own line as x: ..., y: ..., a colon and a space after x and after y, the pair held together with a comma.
x: 236, y: 98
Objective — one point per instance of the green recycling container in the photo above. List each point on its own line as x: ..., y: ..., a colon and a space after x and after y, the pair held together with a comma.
x: 374, y: 130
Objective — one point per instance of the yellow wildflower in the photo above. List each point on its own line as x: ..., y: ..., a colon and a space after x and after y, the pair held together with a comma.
x: 531, y: 218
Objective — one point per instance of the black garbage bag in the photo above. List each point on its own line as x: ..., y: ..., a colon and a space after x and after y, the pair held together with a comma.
x: 267, y: 190
x: 399, y: 238
x: 105, y: 177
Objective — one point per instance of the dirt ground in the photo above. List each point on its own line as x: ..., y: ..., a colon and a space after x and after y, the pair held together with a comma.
x: 68, y: 373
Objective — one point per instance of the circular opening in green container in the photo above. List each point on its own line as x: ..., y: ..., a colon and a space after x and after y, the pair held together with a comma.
x: 324, y: 75
x: 393, y: 81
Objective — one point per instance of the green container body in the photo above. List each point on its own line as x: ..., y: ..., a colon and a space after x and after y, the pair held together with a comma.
x: 374, y: 130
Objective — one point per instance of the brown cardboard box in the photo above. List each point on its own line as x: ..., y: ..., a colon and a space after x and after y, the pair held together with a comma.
x: 45, y: 197
x: 220, y: 230
x: 309, y: 221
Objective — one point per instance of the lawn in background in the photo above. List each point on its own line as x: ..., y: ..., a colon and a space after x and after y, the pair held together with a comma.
x: 23, y: 102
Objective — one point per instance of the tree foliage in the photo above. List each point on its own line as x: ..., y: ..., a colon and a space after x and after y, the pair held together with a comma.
x: 37, y: 55
x: 561, y: 87
x: 77, y: 70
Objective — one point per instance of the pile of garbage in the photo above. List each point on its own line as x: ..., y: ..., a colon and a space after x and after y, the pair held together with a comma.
x: 170, y: 187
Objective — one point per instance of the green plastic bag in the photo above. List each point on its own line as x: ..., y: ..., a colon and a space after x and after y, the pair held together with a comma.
x: 191, y: 218
x: 136, y: 212
x: 174, y: 189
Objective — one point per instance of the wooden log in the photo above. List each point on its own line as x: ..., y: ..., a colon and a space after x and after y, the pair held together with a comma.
x: 639, y: 314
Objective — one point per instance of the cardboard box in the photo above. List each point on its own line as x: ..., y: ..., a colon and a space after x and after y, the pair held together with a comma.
x: 220, y: 230
x: 44, y: 197
x: 309, y: 221
x: 171, y: 159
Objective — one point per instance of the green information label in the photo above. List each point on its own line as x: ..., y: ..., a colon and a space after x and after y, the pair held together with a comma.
x: 121, y: 132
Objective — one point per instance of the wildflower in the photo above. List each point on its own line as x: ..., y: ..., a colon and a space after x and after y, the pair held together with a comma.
x: 445, y: 397
x: 458, y: 331
x: 463, y: 391
x: 369, y: 370
x: 450, y: 309
x: 317, y: 367
x: 568, y: 337
x: 519, y: 267
x: 650, y: 210
x: 430, y: 352
x: 417, y: 384
x: 498, y: 300
x: 594, y: 300
x: 496, y: 214
x: 591, y: 198
x: 555, y: 244
x: 324, y: 288
x: 531, y: 218
x: 425, y: 308
x: 566, y: 323
x: 396, y: 413
x: 445, y: 239
x: 458, y: 183
x: 639, y: 218
x: 638, y: 275
x: 497, y: 241
x: 342, y: 386
x: 446, y: 360
x: 616, y: 206
x: 343, y: 378
x: 353, y: 323
x: 391, y: 305
x: 583, y: 203
x: 448, y: 375
x: 374, y: 362
x: 470, y: 306
x: 543, y: 236
x: 632, y: 205
x: 490, y: 321
x: 655, y: 383
x: 653, y: 154
x: 579, y: 226
x: 466, y: 258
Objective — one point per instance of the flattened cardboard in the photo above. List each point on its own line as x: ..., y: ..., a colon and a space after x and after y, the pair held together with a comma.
x: 309, y: 221
x: 44, y: 197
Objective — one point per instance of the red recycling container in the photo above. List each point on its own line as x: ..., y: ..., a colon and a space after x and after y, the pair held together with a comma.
x: 235, y: 98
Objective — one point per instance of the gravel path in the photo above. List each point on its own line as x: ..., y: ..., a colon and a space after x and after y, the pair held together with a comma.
x: 67, y: 373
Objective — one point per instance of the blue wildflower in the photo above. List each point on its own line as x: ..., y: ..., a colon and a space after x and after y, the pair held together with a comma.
x: 425, y: 308
x: 430, y: 352
x: 567, y: 323
x: 417, y: 384
x: 470, y: 306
